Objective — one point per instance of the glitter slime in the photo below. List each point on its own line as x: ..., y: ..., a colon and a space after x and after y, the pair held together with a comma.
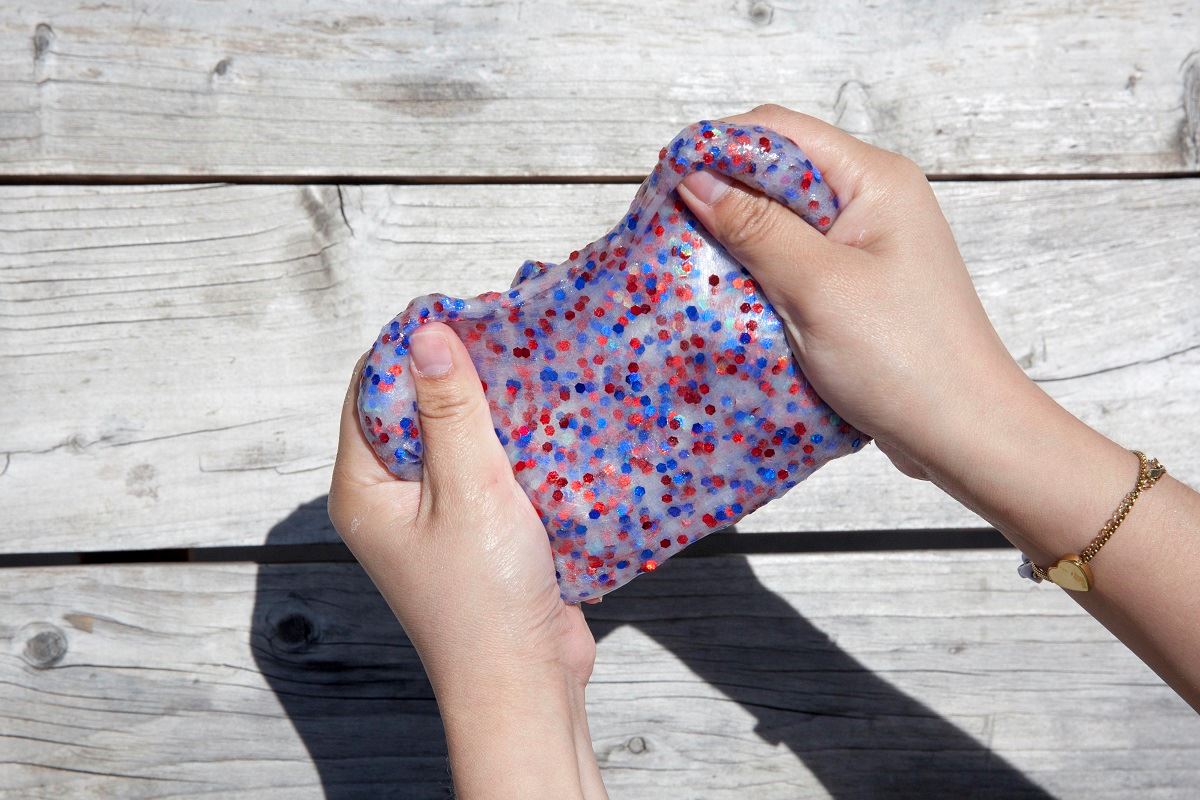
x: 643, y: 390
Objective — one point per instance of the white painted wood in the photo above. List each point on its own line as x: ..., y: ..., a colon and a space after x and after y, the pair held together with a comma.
x: 173, y: 358
x: 849, y: 675
x: 587, y: 88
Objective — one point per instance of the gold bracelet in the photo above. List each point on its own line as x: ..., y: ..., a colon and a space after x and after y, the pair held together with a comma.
x: 1072, y: 570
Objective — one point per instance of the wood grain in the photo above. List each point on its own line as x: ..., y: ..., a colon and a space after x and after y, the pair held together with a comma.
x: 791, y: 673
x: 587, y: 88
x: 174, y: 358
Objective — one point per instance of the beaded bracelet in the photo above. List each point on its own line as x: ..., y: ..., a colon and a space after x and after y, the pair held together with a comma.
x: 1072, y: 570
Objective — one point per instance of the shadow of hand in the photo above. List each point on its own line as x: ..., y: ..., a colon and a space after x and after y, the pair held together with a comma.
x: 356, y: 693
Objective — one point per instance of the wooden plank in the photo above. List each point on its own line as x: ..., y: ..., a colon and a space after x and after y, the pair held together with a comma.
x: 588, y: 88
x: 173, y: 358
x: 944, y: 675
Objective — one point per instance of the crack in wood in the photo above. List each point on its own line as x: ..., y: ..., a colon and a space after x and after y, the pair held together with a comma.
x: 279, y: 469
x: 175, y: 288
x: 44, y: 740
x: 99, y: 773
x: 202, y: 430
x: 145, y: 320
x: 1117, y: 367
x: 342, y: 209
x: 1189, y: 134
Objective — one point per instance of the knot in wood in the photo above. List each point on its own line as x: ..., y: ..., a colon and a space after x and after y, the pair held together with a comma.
x: 42, y: 645
x: 761, y: 13
x: 295, y: 633
x: 43, y: 37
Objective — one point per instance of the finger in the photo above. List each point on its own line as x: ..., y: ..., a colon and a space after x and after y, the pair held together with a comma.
x: 798, y: 267
x: 773, y: 242
x: 877, y: 189
x: 356, y: 461
x: 460, y: 451
x: 845, y: 161
x: 778, y: 248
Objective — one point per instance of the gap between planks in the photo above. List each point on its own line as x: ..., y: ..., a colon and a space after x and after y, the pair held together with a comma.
x: 709, y: 547
x: 506, y: 180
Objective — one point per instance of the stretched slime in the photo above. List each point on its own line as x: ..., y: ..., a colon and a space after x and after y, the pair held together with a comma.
x: 643, y: 389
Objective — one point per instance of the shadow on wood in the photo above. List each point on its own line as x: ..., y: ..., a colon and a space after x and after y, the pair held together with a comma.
x: 859, y: 735
x: 355, y: 690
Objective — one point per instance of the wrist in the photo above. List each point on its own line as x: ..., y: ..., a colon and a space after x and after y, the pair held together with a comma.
x: 513, y: 731
x: 465, y: 664
x: 1042, y: 477
x: 479, y: 685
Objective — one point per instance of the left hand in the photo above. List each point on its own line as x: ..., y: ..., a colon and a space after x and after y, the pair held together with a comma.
x: 461, y: 556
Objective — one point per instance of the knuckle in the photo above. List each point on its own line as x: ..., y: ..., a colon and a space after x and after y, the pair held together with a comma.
x: 449, y: 402
x: 911, y: 169
x: 768, y: 109
x: 341, y: 510
x: 903, y: 169
x: 335, y: 506
x: 751, y: 222
x: 773, y: 115
x: 897, y: 179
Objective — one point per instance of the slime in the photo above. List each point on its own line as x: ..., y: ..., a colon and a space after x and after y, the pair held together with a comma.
x: 643, y: 389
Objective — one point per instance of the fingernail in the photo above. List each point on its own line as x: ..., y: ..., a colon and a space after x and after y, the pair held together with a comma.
x: 708, y: 187
x: 430, y: 353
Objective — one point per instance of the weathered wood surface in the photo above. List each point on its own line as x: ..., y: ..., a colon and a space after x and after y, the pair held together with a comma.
x: 588, y: 88
x: 173, y: 358
x: 849, y: 675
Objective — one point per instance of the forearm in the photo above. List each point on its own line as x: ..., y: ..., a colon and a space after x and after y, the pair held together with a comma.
x: 518, y: 735
x: 1048, y: 482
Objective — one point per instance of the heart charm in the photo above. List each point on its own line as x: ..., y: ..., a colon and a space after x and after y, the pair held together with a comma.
x: 643, y: 389
x: 1071, y: 573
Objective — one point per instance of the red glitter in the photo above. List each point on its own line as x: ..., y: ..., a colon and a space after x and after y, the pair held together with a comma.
x: 631, y: 364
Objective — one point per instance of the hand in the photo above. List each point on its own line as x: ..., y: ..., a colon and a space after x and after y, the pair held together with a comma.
x: 464, y: 562
x: 887, y: 327
x: 882, y: 314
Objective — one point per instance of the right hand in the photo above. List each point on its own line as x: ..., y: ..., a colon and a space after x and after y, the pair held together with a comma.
x: 883, y: 317
x: 888, y: 329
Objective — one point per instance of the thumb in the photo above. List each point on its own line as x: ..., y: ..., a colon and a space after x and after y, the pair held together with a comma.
x: 778, y: 248
x: 460, y: 451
